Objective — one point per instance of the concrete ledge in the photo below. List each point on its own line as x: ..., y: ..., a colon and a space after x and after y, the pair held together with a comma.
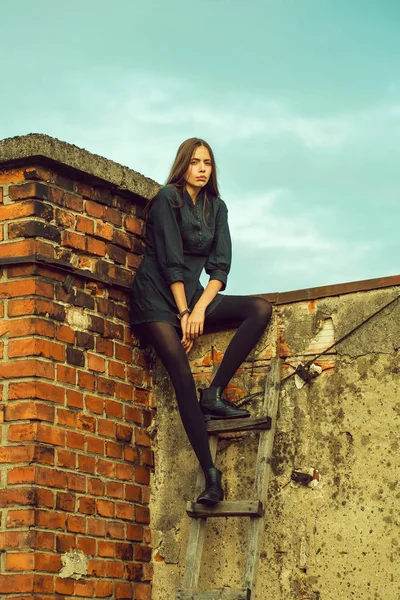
x: 326, y: 291
x: 36, y: 145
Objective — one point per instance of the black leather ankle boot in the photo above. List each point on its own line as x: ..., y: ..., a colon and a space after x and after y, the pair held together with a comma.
x: 213, y: 492
x: 213, y: 407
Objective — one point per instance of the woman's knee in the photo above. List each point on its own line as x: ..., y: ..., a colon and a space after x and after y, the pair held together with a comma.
x: 263, y: 309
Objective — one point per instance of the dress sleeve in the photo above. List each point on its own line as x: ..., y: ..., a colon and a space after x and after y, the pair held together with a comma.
x: 168, y: 239
x: 219, y: 260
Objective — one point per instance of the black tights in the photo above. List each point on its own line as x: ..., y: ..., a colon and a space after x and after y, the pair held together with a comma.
x: 251, y: 315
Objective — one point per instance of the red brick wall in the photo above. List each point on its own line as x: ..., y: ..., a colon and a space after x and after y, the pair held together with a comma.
x: 75, y: 389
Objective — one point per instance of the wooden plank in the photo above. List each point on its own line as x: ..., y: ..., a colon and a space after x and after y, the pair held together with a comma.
x: 263, y: 471
x: 222, y: 594
x: 197, y: 532
x: 248, y: 424
x: 241, y: 508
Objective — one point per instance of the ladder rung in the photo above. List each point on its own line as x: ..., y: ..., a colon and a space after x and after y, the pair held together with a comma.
x: 241, y: 508
x: 228, y: 425
x: 222, y: 594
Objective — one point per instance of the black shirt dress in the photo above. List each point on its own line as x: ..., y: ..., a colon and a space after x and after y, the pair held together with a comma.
x: 179, y: 244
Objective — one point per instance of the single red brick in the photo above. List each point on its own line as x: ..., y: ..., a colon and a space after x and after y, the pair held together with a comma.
x: 94, y: 209
x: 106, y: 428
x: 142, y: 438
x: 134, y: 415
x: 96, y: 487
x: 16, y: 454
x: 103, y: 230
x: 123, y: 353
x: 104, y: 346
x: 75, y: 440
x: 76, y: 483
x: 66, y: 459
x: 74, y: 399
x: 20, y: 518
x: 86, y: 381
x: 73, y: 202
x: 87, y: 506
x: 124, y: 433
x: 124, y: 511
x: 47, y: 562
x: 115, y: 490
x: 97, y: 528
x: 51, y: 477
x: 65, y: 334
x: 95, y: 445
x: 105, y: 508
x: 133, y: 493
x: 66, y: 418
x: 12, y: 584
x: 64, y: 586
x: 66, y: 374
x: 86, y: 423
x: 27, y: 368
x: 114, y: 569
x: 114, y: 409
x: 73, y: 240
x: 20, y: 561
x: 96, y: 567
x: 50, y: 434
x: 133, y: 225
x: 113, y: 450
x: 103, y: 589
x: 94, y: 404
x: 76, y: 524
x: 22, y: 433
x: 123, y: 390
x: 96, y: 247
x: 106, y: 549
x: 65, y: 501
x: 134, y: 532
x: 142, y: 514
x: 87, y: 545
x: 124, y: 471
x: 43, y: 584
x: 45, y: 540
x: 84, y: 589
x: 21, y: 475
x: 123, y: 591
x: 116, y: 369
x: 45, y: 498
x: 85, y: 225
x: 105, y: 386
x: 86, y: 464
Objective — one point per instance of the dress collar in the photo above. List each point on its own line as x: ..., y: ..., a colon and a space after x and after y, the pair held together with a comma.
x: 189, y: 200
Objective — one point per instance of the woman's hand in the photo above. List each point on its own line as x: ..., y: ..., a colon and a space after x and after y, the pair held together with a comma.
x: 186, y: 342
x: 195, y: 323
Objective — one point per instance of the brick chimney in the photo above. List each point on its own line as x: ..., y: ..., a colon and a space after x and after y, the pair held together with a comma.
x: 75, y: 389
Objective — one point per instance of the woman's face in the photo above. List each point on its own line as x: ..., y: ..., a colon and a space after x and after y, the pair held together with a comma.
x: 200, y: 167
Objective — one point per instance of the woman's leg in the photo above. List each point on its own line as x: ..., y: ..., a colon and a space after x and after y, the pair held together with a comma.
x: 251, y: 315
x: 166, y: 343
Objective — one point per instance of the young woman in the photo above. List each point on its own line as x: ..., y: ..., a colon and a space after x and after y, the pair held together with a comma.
x: 187, y: 230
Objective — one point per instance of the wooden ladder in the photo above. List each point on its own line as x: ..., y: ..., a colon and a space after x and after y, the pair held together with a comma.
x: 253, y: 508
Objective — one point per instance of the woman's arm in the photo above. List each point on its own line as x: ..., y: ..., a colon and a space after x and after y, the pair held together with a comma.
x: 178, y: 291
x: 211, y: 290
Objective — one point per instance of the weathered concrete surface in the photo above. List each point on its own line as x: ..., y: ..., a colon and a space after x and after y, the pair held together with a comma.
x: 338, y: 539
x: 39, y: 145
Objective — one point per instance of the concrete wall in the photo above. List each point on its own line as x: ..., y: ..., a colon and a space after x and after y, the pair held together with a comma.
x: 337, y: 537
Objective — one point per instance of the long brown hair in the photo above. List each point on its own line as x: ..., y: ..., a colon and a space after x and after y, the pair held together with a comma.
x: 179, y: 167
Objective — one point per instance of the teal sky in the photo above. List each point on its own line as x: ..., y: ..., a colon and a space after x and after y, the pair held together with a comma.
x: 300, y: 100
